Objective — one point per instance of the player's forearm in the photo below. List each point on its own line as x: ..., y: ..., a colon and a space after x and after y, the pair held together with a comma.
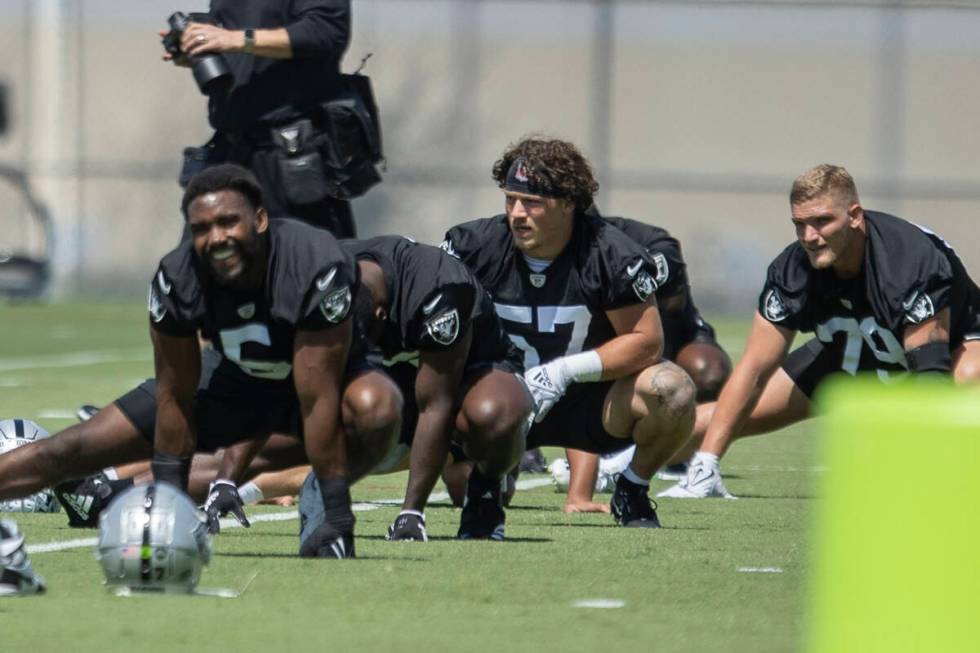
x: 735, y: 404
x: 628, y: 354
x: 236, y: 459
x: 325, y: 445
x: 430, y: 446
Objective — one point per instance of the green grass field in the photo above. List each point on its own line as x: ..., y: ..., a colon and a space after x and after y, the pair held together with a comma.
x: 687, y: 587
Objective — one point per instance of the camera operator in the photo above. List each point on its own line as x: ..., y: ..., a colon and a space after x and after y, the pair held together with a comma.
x: 284, y: 59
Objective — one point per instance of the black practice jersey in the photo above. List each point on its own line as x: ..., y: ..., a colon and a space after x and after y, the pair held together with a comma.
x: 671, y: 279
x: 909, y: 275
x: 433, y: 300
x: 562, y: 309
x: 308, y: 286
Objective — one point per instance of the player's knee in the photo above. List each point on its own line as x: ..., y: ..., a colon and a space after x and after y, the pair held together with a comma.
x: 492, y: 419
x: 667, y: 389
x: 967, y: 370
x: 709, y: 379
x: 373, y: 408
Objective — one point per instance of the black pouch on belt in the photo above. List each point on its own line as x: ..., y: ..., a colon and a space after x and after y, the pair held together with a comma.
x: 300, y: 164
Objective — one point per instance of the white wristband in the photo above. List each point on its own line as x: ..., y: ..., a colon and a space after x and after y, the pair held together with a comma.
x: 250, y: 493
x: 586, y: 366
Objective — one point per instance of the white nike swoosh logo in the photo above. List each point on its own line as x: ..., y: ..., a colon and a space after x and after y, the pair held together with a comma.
x: 162, y: 282
x: 910, y: 303
x: 431, y: 306
x: 324, y: 282
x: 633, y: 269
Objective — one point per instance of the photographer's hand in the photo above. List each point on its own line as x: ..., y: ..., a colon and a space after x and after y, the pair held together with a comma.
x: 179, y: 60
x: 200, y: 38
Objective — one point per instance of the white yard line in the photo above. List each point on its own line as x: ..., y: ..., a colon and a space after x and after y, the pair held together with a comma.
x: 76, y: 359
x: 48, y: 547
x: 759, y: 570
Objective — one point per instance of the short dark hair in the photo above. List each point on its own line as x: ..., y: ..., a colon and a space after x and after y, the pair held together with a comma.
x: 226, y: 176
x: 571, y: 176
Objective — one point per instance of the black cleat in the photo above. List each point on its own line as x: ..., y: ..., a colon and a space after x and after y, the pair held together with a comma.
x: 483, y: 510
x: 407, y: 527
x: 533, y: 462
x: 327, y: 542
x: 84, y: 499
x: 86, y: 412
x: 631, y: 505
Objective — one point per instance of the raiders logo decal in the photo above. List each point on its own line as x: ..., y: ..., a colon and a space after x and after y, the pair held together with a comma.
x: 246, y: 311
x: 444, y: 328
x: 157, y: 311
x: 774, y: 308
x: 537, y: 280
x: 918, y: 308
x: 663, y: 271
x: 644, y: 285
x: 336, y: 305
x: 447, y: 247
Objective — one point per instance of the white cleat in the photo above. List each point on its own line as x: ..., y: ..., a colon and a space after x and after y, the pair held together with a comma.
x: 703, y: 481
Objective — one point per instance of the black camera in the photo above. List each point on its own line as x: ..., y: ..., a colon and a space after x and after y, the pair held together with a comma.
x: 210, y: 70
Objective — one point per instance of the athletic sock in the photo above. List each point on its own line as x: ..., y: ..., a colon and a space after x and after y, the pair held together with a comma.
x: 706, y: 459
x: 632, y: 477
x: 337, y: 512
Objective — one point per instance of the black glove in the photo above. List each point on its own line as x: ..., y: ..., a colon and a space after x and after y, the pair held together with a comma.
x: 222, y: 499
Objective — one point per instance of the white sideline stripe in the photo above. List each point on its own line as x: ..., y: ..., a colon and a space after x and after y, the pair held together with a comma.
x: 75, y: 359
x: 56, y: 413
x: 759, y: 570
x: 49, y: 547
x: 599, y: 603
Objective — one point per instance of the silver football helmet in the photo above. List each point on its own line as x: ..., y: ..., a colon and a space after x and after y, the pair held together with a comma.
x: 153, y: 538
x: 16, y: 433
x: 17, y: 577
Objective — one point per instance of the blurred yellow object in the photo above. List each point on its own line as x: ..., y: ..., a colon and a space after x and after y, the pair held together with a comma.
x: 896, y: 539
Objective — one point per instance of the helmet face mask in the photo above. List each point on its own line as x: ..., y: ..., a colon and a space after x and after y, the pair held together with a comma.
x: 16, y: 433
x: 152, y: 538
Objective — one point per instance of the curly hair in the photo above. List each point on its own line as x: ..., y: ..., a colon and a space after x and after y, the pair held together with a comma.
x: 569, y: 174
x: 226, y: 176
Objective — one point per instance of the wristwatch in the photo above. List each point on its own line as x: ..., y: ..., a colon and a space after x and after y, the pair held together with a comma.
x: 249, y: 41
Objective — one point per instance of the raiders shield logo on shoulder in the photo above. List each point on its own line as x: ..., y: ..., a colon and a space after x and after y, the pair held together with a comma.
x: 774, y: 307
x: 663, y: 270
x: 644, y: 285
x: 447, y: 247
x: 918, y: 308
x: 157, y: 310
x: 336, y: 304
x: 537, y: 280
x: 246, y: 311
x: 444, y: 327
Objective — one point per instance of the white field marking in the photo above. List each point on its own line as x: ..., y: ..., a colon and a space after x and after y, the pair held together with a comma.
x: 48, y: 547
x: 12, y: 383
x: 75, y: 359
x: 56, y: 413
x: 812, y: 469
x: 602, y: 604
x: 759, y: 570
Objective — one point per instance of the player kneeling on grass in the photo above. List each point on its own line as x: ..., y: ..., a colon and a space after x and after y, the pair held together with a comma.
x: 689, y: 341
x: 576, y: 295
x: 881, y: 294
x: 275, y: 299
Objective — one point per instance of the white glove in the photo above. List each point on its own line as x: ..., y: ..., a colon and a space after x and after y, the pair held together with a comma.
x: 547, y: 384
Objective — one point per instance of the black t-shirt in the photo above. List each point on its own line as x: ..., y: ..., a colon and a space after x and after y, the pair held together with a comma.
x: 909, y: 274
x: 561, y: 310
x: 270, y: 91
x: 308, y: 286
x: 433, y: 300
